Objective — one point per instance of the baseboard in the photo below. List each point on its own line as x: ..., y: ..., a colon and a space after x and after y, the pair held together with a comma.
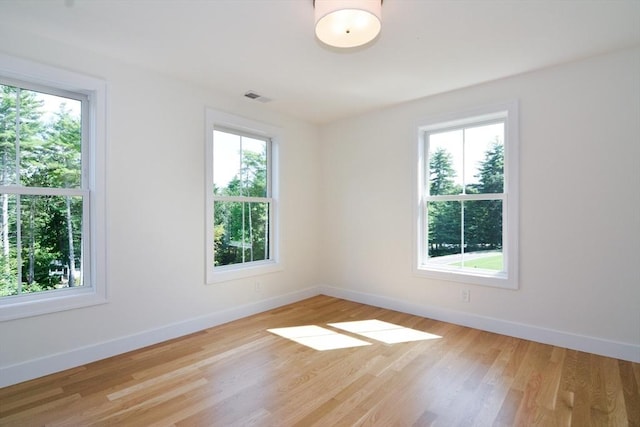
x: 618, y: 350
x: 36, y: 368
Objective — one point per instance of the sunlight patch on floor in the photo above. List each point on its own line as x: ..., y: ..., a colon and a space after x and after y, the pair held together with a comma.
x: 318, y: 338
x: 322, y: 339
x: 386, y: 332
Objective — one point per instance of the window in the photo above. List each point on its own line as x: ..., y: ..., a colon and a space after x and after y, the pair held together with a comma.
x: 241, y: 203
x: 467, y: 215
x: 51, y: 190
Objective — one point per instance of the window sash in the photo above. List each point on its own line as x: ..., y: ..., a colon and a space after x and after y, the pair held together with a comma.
x: 269, y: 244
x: 463, y: 197
x: 43, y: 191
x: 85, y: 245
x: 470, y: 124
x: 242, y: 199
x: 426, y: 260
x: 36, y: 87
x: 245, y: 134
x: 85, y: 118
x: 270, y: 234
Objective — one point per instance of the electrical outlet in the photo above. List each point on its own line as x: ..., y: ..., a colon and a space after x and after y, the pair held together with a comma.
x: 465, y: 295
x: 257, y: 286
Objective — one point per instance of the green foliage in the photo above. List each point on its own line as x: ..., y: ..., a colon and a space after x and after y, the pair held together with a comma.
x: 485, y: 217
x: 445, y: 222
x: 444, y: 217
x: 8, y: 274
x: 492, y: 169
x: 19, y: 118
x: 441, y: 174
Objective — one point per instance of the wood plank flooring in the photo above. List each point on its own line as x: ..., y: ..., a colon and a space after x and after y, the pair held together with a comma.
x: 240, y: 374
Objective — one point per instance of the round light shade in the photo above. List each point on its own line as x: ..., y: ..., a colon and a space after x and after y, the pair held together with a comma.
x: 347, y: 23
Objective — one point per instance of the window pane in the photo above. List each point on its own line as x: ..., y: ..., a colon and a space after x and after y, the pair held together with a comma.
x: 228, y: 239
x: 226, y: 163
x: 239, y: 165
x: 483, y: 234
x: 52, y: 158
x: 241, y: 232
x: 256, y: 231
x: 444, y: 238
x: 44, y: 132
x: 445, y: 162
x: 8, y: 115
x: 9, y: 259
x: 484, y: 159
x: 41, y: 243
x: 254, y: 167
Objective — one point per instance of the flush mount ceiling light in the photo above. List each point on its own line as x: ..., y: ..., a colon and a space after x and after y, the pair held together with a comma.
x: 347, y: 23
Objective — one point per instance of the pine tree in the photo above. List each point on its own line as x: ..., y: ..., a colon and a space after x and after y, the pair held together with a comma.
x: 445, y: 216
x: 488, y: 214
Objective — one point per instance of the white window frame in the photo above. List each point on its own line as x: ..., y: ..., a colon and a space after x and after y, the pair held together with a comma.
x: 94, y: 290
x: 508, y: 278
x: 216, y: 119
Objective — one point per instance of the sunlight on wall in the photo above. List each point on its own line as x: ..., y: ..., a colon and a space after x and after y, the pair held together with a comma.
x: 325, y: 339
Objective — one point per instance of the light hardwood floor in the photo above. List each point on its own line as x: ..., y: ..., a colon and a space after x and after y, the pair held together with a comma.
x: 240, y: 374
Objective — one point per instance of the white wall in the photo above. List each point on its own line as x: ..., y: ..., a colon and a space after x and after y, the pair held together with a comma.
x: 156, y: 218
x: 579, y: 210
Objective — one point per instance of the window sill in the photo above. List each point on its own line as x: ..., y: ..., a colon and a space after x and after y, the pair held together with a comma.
x: 236, y: 272
x: 483, y: 277
x: 28, y: 305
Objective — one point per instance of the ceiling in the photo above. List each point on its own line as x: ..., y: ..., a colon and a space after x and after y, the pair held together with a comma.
x: 426, y: 47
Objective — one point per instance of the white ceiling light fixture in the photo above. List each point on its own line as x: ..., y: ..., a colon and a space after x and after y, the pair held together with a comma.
x: 347, y: 23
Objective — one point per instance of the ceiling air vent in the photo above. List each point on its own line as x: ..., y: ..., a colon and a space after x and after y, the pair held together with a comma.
x: 256, y: 96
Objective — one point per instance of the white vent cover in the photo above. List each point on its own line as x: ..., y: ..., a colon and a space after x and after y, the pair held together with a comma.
x: 257, y: 97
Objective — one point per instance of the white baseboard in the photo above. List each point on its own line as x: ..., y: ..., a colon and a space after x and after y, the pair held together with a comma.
x: 36, y: 368
x: 618, y: 350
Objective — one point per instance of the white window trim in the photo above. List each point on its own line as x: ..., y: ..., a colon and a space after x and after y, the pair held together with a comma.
x: 95, y: 292
x: 220, y: 119
x: 508, y: 280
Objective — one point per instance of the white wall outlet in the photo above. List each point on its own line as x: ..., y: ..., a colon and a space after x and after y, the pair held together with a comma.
x: 257, y: 286
x: 465, y: 295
